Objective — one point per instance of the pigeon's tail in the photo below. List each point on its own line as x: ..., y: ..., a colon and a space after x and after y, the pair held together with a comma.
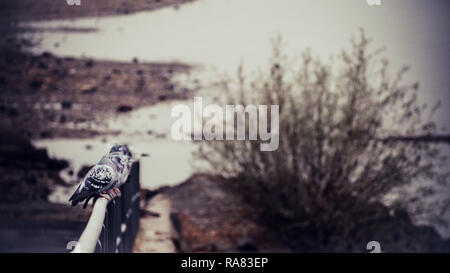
x: 79, y: 196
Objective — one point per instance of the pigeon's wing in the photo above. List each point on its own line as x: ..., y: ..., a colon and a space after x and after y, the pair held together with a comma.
x: 99, y: 179
x: 82, y: 193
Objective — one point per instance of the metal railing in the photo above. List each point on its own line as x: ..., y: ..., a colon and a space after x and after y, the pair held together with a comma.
x: 113, y: 226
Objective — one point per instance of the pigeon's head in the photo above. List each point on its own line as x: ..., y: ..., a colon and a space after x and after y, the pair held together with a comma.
x: 100, y: 176
x: 121, y: 148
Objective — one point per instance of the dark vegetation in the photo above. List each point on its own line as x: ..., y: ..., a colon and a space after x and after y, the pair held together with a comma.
x: 323, y: 189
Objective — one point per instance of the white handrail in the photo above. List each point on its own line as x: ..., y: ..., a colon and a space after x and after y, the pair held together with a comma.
x: 89, y: 237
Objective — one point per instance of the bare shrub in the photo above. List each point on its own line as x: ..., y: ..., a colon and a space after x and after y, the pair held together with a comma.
x: 334, y: 156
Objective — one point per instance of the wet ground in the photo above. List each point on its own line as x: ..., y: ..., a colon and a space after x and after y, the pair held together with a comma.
x: 51, y: 97
x: 156, y: 232
x: 39, y: 227
x: 26, y: 10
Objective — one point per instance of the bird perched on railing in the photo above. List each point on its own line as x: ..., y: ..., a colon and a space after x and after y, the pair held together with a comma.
x: 104, y: 178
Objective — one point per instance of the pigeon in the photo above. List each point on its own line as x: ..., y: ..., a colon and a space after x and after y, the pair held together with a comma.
x: 105, y: 177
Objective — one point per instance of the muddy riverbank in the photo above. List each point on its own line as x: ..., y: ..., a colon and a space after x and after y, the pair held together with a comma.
x: 28, y: 10
x: 46, y: 96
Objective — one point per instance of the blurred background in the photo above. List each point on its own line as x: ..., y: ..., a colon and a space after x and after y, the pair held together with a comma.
x: 363, y: 139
